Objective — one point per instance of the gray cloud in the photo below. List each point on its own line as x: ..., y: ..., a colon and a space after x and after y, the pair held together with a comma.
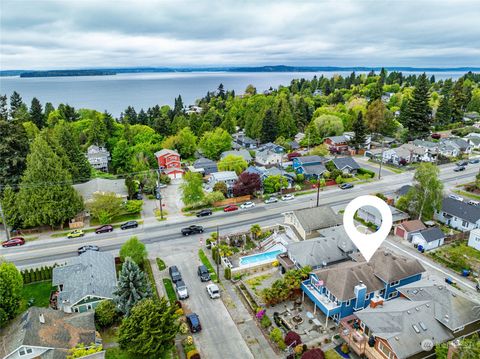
x: 41, y: 34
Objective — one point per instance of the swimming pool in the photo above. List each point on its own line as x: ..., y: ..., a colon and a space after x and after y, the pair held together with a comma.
x: 260, y: 257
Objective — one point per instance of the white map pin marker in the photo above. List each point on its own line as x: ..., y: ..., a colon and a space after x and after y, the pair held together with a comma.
x: 367, y: 244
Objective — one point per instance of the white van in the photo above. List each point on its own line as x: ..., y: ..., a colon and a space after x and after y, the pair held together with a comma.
x: 456, y: 198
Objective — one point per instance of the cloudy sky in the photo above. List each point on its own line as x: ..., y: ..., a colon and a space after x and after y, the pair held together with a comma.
x: 44, y: 34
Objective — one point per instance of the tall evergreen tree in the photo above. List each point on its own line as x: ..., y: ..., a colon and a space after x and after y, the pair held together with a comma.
x: 459, y: 101
x: 46, y: 195
x: 419, y: 112
x: 3, y: 108
x: 13, y: 152
x: 178, y: 107
x: 142, y: 117
x: 377, y: 91
x: 130, y: 116
x: 10, y: 208
x: 36, y: 113
x: 286, y: 124
x: 302, y: 113
x: 443, y: 116
x: 16, y: 103
x: 97, y: 131
x: 48, y: 109
x: 11, y: 283
x: 132, y: 287
x: 360, y: 132
x: 68, y: 113
x: 269, y: 127
x: 221, y: 91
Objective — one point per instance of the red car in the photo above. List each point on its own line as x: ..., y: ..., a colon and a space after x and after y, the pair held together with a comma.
x: 16, y: 241
x: 104, y: 229
x: 230, y: 208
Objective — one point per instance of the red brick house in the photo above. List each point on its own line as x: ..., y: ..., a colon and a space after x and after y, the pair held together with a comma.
x: 169, y: 163
x: 336, y: 144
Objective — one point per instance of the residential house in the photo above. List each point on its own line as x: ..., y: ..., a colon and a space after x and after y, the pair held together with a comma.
x: 299, y: 137
x: 474, y: 140
x: 427, y: 312
x: 342, y: 289
x: 270, y: 146
x: 244, y: 141
x: 460, y: 144
x: 266, y: 157
x: 227, y: 177
x: 307, y: 221
x: 336, y: 144
x: 294, y: 145
x: 371, y: 215
x: 408, y: 153
x: 193, y: 109
x: 205, y: 166
x: 428, y: 239
x: 264, y: 172
x: 310, y: 166
x: 346, y: 164
x: 474, y: 239
x: 245, y: 154
x: 458, y: 215
x: 368, y: 139
x: 98, y: 157
x: 45, y: 333
x: 407, y: 229
x: 85, y: 282
x: 169, y: 163
x: 101, y: 185
x: 318, y: 252
x: 402, y: 191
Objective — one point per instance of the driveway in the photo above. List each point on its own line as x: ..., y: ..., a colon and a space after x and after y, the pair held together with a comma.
x: 220, y: 337
x: 172, y: 199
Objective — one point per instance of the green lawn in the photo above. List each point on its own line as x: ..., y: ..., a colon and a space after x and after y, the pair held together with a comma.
x: 206, y: 262
x: 161, y: 264
x: 119, y: 219
x: 167, y: 283
x: 39, y: 291
x: 457, y: 256
x: 117, y: 353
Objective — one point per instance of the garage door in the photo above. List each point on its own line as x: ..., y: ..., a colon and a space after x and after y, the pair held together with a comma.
x: 400, y: 232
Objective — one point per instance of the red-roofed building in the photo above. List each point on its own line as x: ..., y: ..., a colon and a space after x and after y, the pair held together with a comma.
x: 169, y: 163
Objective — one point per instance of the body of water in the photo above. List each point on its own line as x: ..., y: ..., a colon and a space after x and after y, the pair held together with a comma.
x: 143, y: 90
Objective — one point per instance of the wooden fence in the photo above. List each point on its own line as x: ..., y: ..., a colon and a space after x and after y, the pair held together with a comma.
x: 233, y: 200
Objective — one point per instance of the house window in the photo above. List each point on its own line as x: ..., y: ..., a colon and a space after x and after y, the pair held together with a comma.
x: 393, y: 284
x: 382, y: 292
x: 25, y: 351
x: 385, y: 350
x: 75, y: 309
x: 393, y: 294
x: 465, y: 224
x: 367, y: 296
x: 347, y: 303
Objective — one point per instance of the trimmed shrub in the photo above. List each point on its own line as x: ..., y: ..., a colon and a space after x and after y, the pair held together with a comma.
x: 228, y: 273
x: 364, y: 171
x: 315, y: 353
x: 106, y: 313
x: 265, y: 321
x: 292, y: 338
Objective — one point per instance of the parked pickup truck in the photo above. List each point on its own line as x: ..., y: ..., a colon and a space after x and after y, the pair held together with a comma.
x: 193, y: 229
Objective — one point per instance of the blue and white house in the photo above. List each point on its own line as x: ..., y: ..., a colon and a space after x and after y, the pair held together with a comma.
x: 347, y: 287
x: 310, y: 166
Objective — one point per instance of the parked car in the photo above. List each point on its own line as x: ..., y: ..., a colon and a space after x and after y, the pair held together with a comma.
x: 88, y: 247
x: 474, y: 160
x: 230, y: 208
x: 203, y: 273
x: 193, y: 229
x: 473, y: 203
x: 162, y: 185
x: 13, y: 242
x: 137, y: 196
x: 174, y: 274
x: 181, y: 289
x: 462, y: 163
x: 288, y: 197
x: 248, y: 204
x: 459, y: 169
x: 193, y: 322
x: 456, y: 197
x: 104, y: 229
x: 346, y: 186
x: 129, y: 224
x: 204, y: 213
x: 271, y: 200
x: 213, y: 291
x: 76, y: 233
x: 436, y: 136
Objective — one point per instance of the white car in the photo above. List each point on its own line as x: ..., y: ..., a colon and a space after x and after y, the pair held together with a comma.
x: 181, y: 290
x: 271, y: 200
x: 287, y: 197
x: 248, y: 205
x: 456, y: 198
x: 213, y: 291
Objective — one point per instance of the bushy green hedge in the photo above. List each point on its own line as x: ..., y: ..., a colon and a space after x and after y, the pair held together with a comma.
x: 37, y: 274
x: 364, y: 171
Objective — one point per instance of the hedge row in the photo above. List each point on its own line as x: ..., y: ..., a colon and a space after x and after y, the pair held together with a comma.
x: 37, y: 274
x: 363, y: 171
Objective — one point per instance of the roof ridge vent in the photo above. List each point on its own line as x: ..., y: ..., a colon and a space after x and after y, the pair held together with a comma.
x: 417, y: 309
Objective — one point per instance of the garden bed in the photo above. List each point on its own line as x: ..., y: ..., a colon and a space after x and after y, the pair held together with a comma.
x: 167, y: 283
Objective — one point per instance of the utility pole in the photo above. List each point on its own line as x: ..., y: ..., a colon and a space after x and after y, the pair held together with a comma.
x: 281, y: 176
x: 4, y: 222
x: 381, y: 161
x: 218, y: 255
x: 318, y: 191
x: 159, y: 195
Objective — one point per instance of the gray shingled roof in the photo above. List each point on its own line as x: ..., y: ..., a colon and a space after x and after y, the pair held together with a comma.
x: 61, y: 331
x: 91, y: 273
x: 245, y: 154
x: 314, y: 169
x: 461, y: 210
x: 338, y: 139
x: 391, y: 267
x: 395, y: 321
x: 310, y: 159
x: 339, y: 233
x: 402, y: 191
x: 432, y: 234
x: 344, y: 162
x: 316, y: 218
x: 87, y: 189
x: 397, y: 215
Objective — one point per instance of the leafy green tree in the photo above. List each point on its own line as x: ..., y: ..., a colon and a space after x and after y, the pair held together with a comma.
x: 36, y: 113
x: 273, y: 184
x: 360, y: 132
x: 212, y: 144
x: 46, y: 195
x: 212, y: 197
x: 469, y: 348
x: 105, y: 206
x: 121, y: 156
x: 11, y: 284
x: 97, y: 131
x: 459, y: 100
x: 10, y: 208
x: 320, y: 150
x: 186, y: 142
x: 232, y: 163
x: 106, y: 313
x: 132, y: 287
x: 419, y: 112
x: 191, y: 188
x: 328, y: 125
x: 269, y: 127
x: 474, y: 104
x: 13, y: 152
x: 150, y: 330
x: 31, y: 130
x: 286, y: 123
x: 221, y: 187
x: 135, y: 250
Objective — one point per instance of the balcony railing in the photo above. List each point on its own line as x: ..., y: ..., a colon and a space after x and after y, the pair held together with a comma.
x: 355, y: 338
x: 321, y: 299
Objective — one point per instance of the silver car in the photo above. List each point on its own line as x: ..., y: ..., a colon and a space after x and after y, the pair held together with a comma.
x: 213, y: 291
x: 181, y: 289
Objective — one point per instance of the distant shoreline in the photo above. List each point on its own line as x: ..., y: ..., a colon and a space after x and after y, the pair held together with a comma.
x: 280, y: 68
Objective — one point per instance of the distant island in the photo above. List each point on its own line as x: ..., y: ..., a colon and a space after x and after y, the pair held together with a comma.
x: 275, y: 68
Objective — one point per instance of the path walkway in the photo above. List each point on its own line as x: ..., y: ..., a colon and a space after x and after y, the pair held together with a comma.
x: 157, y: 276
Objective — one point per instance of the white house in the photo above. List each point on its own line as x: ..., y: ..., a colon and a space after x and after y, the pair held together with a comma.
x: 227, y: 177
x: 267, y: 157
x: 474, y: 239
x: 98, y: 157
x: 459, y: 215
x: 429, y: 238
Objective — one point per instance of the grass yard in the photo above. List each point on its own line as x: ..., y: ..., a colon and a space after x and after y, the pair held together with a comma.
x: 119, y: 219
x: 457, y: 256
x: 117, y: 353
x: 39, y: 291
x: 161, y: 264
x: 167, y: 283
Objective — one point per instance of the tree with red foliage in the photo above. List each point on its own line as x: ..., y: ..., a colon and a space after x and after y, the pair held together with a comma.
x: 315, y: 353
x: 292, y: 155
x: 247, y: 183
x: 292, y: 338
